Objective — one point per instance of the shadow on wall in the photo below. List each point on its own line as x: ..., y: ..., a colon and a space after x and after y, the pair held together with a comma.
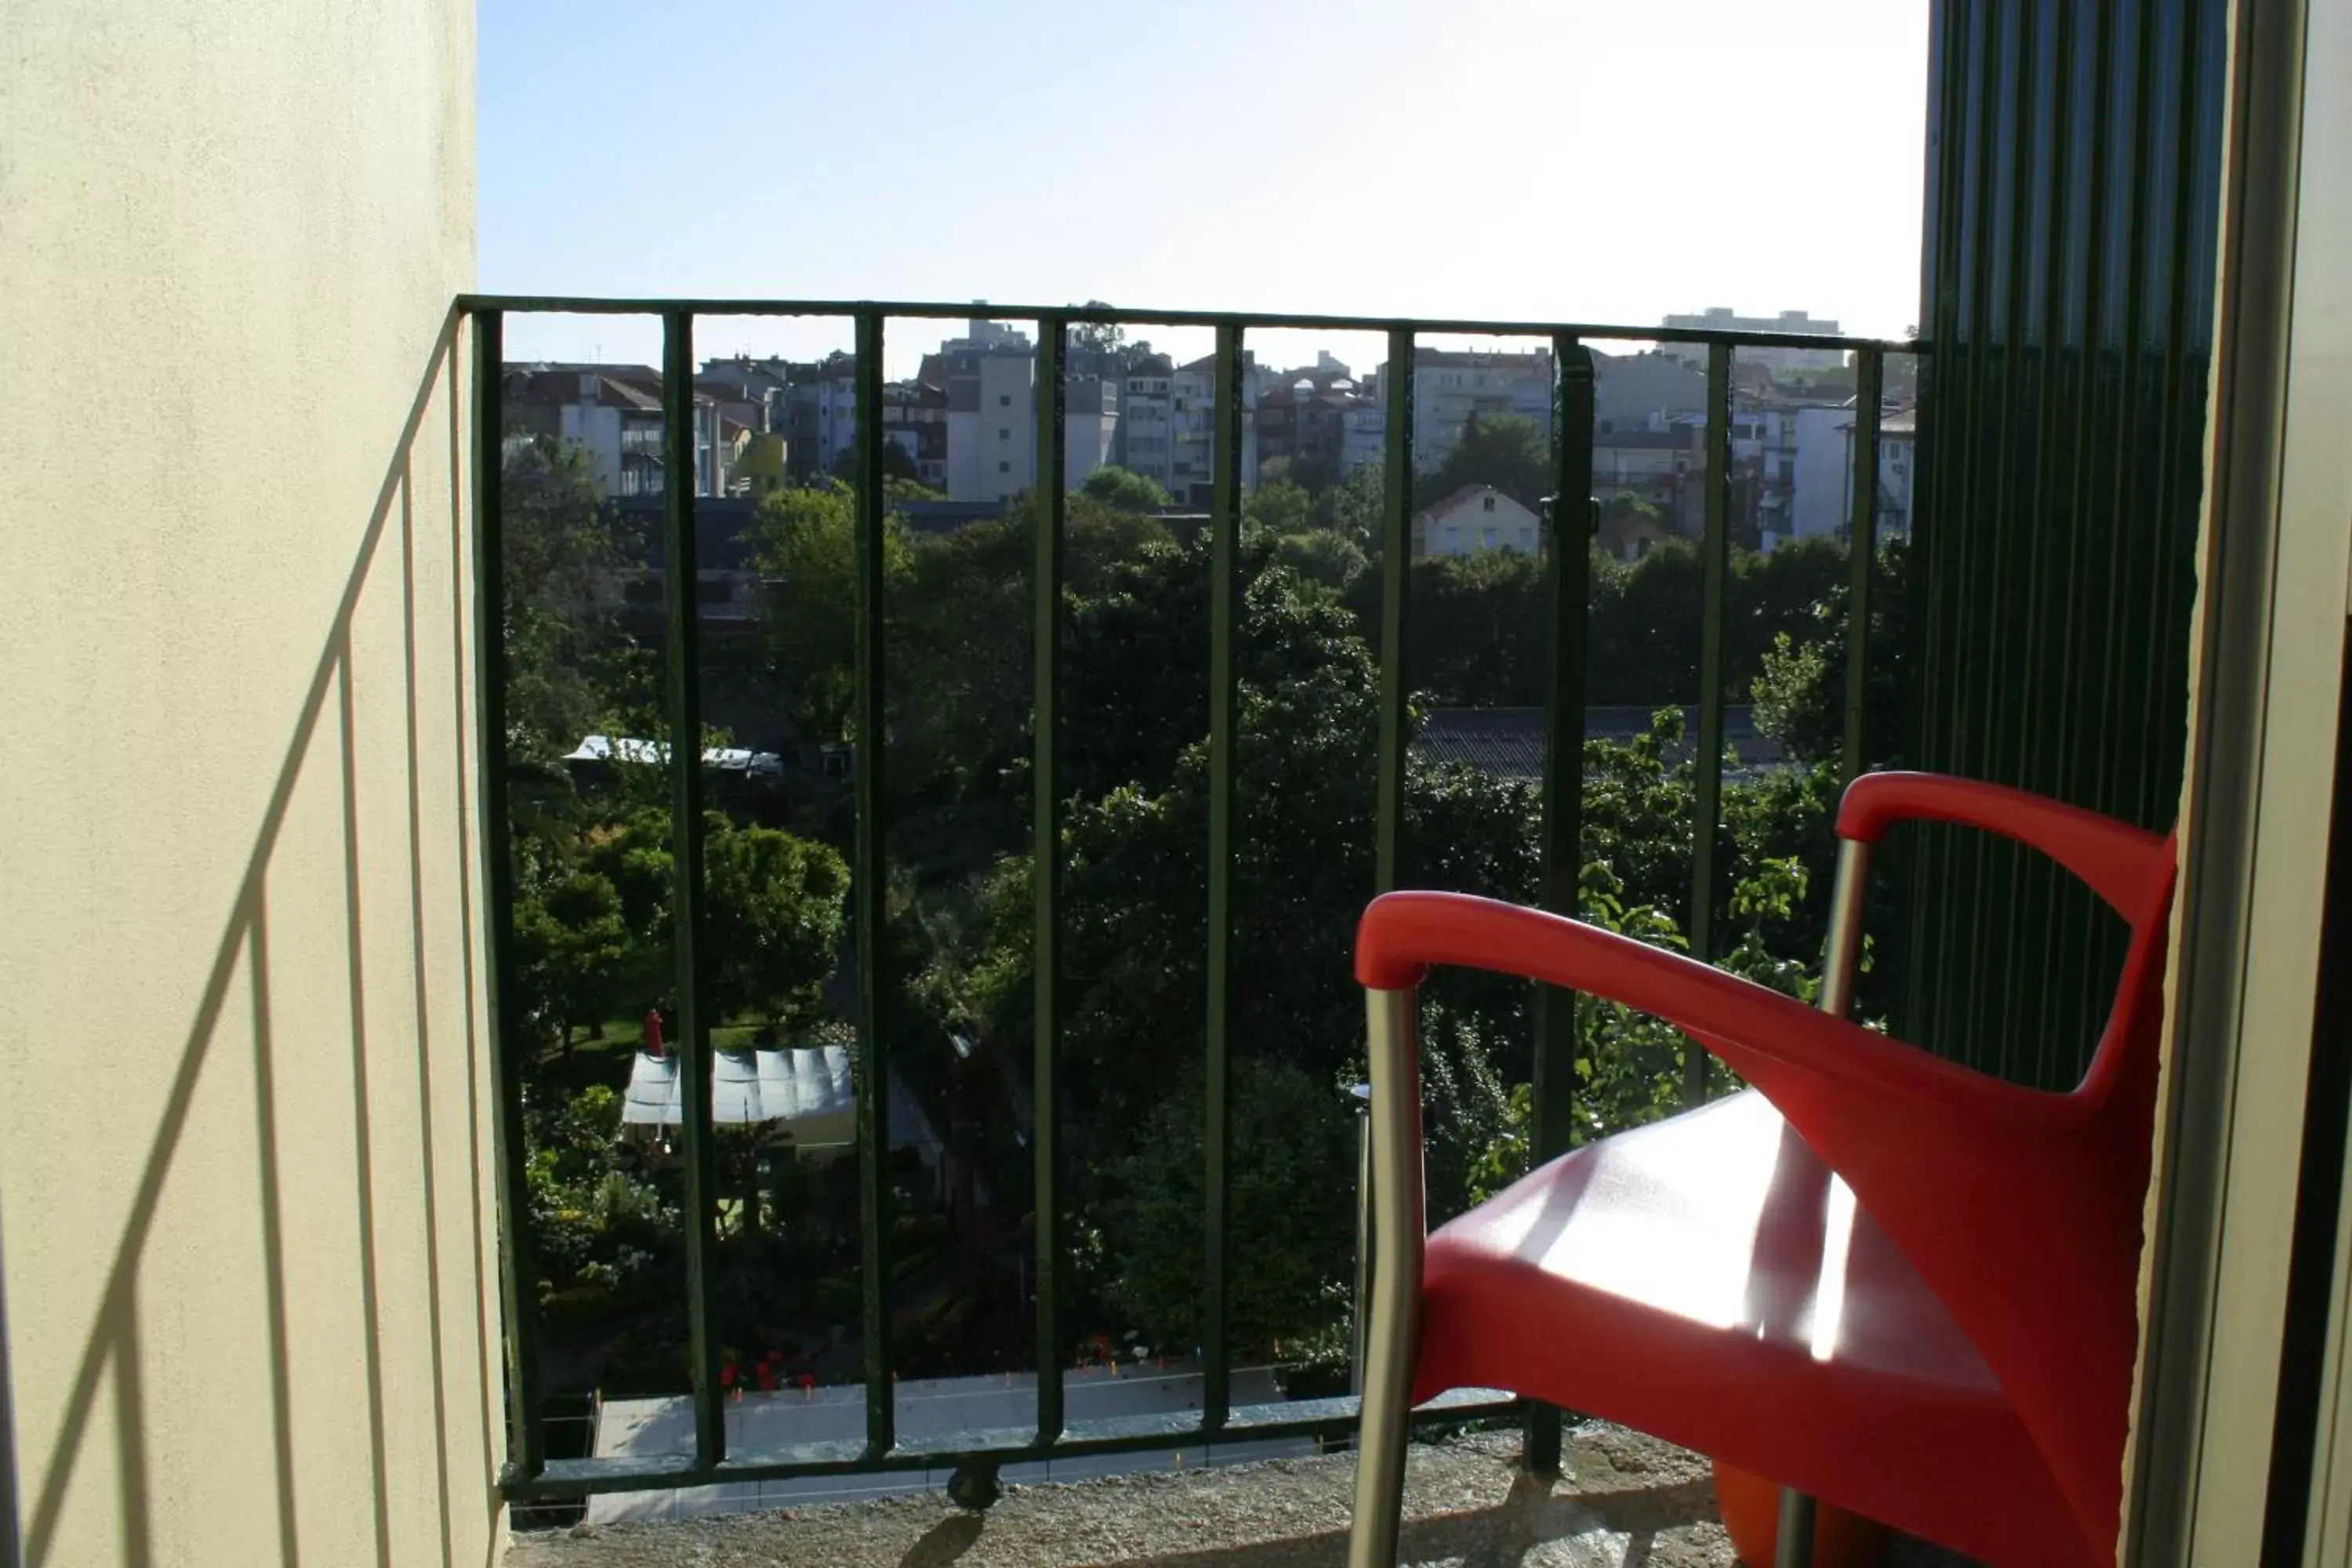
x: 113, y: 1344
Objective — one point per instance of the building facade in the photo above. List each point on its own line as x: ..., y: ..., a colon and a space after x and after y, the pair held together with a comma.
x: 613, y: 414
x: 1450, y: 385
x: 1723, y: 319
x: 1192, y: 425
x: 1822, y: 500
x: 1147, y: 420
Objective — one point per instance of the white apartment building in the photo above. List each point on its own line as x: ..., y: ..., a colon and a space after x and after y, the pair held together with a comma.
x: 1193, y: 428
x: 836, y: 399
x: 1147, y: 428
x: 1822, y: 503
x: 1722, y: 318
x: 992, y: 425
x: 613, y: 414
x: 992, y: 417
x: 1449, y: 385
x: 1363, y: 436
x: 1090, y: 417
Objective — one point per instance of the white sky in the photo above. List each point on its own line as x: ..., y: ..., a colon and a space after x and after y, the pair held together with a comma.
x: 1546, y: 160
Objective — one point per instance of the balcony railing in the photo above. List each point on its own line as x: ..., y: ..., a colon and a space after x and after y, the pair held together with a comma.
x: 531, y: 1474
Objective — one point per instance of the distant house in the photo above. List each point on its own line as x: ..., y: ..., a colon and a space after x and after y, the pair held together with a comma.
x: 1627, y: 532
x: 1476, y: 518
x: 614, y: 413
x: 1650, y: 463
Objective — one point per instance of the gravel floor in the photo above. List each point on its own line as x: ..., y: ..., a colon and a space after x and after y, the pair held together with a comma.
x: 1629, y: 1503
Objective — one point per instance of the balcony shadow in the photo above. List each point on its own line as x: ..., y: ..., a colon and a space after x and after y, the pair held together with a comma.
x: 110, y: 1357
x: 944, y: 1542
x: 1500, y: 1536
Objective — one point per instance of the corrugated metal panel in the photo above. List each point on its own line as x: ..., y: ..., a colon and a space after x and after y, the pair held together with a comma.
x: 2072, y: 186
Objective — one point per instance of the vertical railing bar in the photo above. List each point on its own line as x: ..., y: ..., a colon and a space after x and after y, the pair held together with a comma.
x: 1949, y: 612
x: 1862, y: 547
x: 870, y: 882
x: 1050, y: 488
x: 1991, y: 939
x: 1707, y: 755
x: 1940, y: 309
x: 2067, y: 936
x: 2045, y: 537
x: 1553, y: 1095
x: 1962, y: 722
x: 1225, y: 618
x: 2179, y: 386
x: 2126, y: 497
x: 526, y: 1437
x: 687, y: 924
x: 1396, y: 579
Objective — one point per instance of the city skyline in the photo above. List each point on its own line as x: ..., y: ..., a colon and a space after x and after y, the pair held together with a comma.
x: 1371, y: 161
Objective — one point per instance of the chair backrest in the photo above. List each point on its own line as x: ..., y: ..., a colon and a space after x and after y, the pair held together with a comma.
x: 2029, y: 1229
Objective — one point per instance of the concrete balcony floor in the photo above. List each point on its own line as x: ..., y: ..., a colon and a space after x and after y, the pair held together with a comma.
x: 1628, y: 1501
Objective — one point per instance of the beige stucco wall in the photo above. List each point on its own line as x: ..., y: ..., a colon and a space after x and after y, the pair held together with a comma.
x: 239, y: 1070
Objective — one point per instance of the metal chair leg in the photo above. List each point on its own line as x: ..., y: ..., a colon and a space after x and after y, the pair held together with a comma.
x: 1392, y: 1335
x: 1379, y: 1455
x: 1793, y: 1546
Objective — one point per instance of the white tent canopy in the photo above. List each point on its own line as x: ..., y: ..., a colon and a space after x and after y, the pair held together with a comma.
x: 806, y: 1090
x: 654, y: 753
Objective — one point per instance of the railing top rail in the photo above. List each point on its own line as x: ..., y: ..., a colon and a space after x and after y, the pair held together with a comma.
x: 583, y: 305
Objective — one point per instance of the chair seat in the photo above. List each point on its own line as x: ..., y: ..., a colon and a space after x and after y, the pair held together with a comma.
x: 1705, y: 1279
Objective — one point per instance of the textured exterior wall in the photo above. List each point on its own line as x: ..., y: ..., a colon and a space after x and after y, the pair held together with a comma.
x: 243, y: 1179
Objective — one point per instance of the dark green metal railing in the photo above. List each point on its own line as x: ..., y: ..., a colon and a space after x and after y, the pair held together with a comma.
x: 529, y: 1473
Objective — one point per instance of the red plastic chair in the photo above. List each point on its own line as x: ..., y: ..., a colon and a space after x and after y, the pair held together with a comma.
x: 1940, y: 1335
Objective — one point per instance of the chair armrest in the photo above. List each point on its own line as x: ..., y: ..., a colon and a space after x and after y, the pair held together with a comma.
x: 1403, y: 935
x: 2125, y: 866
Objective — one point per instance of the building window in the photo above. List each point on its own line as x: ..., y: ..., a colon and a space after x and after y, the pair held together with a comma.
x: 1004, y: 400
x: 1487, y: 538
x: 1004, y: 432
x: 1487, y: 503
x: 1003, y: 467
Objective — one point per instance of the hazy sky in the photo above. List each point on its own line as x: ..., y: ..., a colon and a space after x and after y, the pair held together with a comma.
x: 1552, y: 160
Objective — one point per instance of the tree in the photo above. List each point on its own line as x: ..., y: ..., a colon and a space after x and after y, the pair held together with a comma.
x: 1481, y: 627
x: 1281, y: 507
x: 1133, y: 902
x: 1135, y: 776
x: 570, y: 944
x: 603, y: 1233
x: 897, y: 464
x: 804, y: 543
x: 1799, y: 687
x: 1505, y: 450
x: 1321, y: 556
x: 776, y: 922
x: 773, y: 913
x: 1294, y: 1223
x: 1127, y: 490
x: 1100, y: 337
x: 560, y: 547
x: 1351, y: 509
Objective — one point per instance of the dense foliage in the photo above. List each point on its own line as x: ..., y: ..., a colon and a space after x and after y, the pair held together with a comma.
x: 593, y: 869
